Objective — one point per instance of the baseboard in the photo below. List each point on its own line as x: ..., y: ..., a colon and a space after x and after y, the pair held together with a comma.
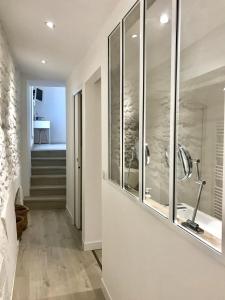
x: 105, y: 290
x: 14, y: 277
x: 69, y: 215
x: 92, y: 245
x: 11, y: 292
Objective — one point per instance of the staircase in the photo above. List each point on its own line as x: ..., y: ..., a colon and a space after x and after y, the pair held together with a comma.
x: 48, y: 180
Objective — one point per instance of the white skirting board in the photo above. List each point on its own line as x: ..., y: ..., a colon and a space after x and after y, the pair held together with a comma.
x: 95, y: 245
x: 105, y: 290
x: 11, y: 292
x: 69, y: 215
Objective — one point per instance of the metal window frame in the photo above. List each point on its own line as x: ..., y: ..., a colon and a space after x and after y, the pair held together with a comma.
x: 121, y: 105
x: 174, y: 98
x: 109, y: 175
x: 141, y: 64
x: 142, y: 98
x: 172, y: 114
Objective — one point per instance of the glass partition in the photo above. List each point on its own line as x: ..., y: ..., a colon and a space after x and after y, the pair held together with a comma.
x: 157, y: 106
x: 114, y: 106
x: 200, y: 120
x: 196, y: 75
x: 131, y: 52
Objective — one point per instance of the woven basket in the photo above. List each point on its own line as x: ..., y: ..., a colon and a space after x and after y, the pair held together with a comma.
x: 22, y: 210
x: 19, y: 226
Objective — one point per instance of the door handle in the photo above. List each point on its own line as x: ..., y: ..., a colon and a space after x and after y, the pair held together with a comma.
x: 147, y: 155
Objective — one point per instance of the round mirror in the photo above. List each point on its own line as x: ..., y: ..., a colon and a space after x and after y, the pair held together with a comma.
x: 184, y: 163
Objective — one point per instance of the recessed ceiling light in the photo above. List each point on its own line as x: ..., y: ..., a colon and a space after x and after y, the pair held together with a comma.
x: 164, y: 18
x: 134, y: 36
x: 50, y: 24
x: 43, y: 61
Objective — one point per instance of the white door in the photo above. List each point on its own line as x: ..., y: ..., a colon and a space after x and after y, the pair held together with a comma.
x: 78, y: 159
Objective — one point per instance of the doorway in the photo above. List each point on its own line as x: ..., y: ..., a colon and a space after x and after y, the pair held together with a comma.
x: 48, y: 117
x: 78, y: 159
x: 92, y: 163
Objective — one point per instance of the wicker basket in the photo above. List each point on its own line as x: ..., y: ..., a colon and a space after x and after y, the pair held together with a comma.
x: 22, y: 211
x: 19, y: 226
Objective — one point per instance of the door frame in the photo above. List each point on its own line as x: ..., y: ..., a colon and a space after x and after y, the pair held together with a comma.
x: 78, y: 155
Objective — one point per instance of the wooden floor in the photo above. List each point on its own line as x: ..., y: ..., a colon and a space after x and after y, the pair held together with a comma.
x: 51, y: 264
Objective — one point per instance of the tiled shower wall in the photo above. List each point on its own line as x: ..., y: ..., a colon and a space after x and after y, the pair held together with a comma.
x: 197, y: 120
x: 131, y: 128
x: 115, y: 127
x: 9, y: 160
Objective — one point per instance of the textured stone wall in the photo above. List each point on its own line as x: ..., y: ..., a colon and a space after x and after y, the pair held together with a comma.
x: 9, y: 160
x: 131, y: 122
x: 115, y: 126
x: 196, y: 123
x: 9, y: 118
x: 190, y: 118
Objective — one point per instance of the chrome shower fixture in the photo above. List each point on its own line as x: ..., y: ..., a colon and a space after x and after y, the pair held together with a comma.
x: 191, y: 224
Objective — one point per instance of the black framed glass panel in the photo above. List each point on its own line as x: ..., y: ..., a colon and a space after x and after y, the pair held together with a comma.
x: 114, y: 106
x: 131, y: 85
x: 200, y: 120
x: 158, y: 27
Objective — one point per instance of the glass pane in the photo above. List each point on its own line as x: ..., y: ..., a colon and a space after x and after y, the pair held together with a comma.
x: 200, y: 119
x: 158, y: 81
x: 114, y: 105
x: 131, y: 99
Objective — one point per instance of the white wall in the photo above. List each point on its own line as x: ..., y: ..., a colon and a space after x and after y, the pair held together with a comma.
x: 53, y: 108
x: 143, y: 256
x: 91, y: 160
x: 92, y: 206
x: 26, y: 137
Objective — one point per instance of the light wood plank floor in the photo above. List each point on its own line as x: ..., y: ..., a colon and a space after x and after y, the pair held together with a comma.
x: 51, y: 264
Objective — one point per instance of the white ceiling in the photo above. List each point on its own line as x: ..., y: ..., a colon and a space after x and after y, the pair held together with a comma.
x: 77, y: 24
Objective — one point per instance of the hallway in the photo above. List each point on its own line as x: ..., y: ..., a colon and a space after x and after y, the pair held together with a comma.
x: 51, y: 264
x: 112, y: 140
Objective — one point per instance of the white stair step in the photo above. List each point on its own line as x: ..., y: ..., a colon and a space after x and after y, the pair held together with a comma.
x: 45, y: 202
x: 48, y: 170
x: 48, y: 167
x: 47, y: 190
x: 48, y: 158
x: 48, y: 179
x: 49, y: 176
x: 45, y: 198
